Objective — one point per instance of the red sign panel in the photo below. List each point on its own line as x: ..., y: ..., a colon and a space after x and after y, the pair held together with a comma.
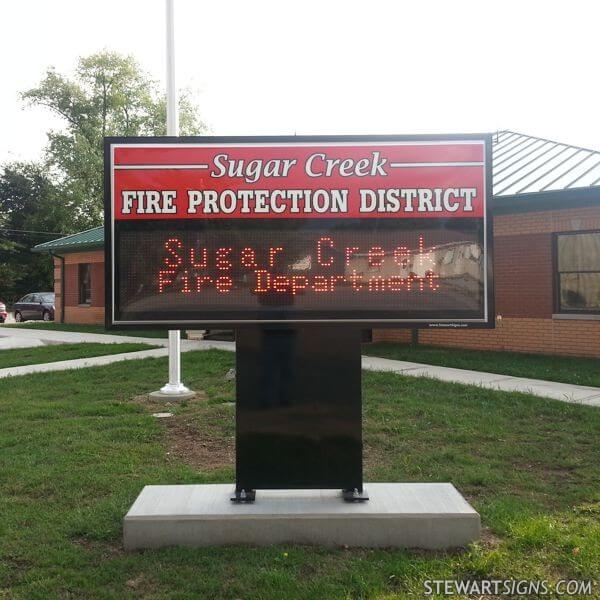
x: 389, y: 230
x: 299, y: 181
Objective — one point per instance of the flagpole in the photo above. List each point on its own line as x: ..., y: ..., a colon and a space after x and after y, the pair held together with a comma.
x: 174, y: 387
x: 172, y: 112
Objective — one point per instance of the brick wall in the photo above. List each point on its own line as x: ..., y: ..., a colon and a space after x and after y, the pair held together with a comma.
x: 57, y: 290
x: 88, y: 315
x: 543, y: 336
x: 524, y: 280
x: 71, y: 285
x: 75, y: 313
x: 97, y: 276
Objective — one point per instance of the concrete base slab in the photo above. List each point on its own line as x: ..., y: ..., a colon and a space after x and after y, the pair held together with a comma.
x: 401, y: 515
x: 172, y: 397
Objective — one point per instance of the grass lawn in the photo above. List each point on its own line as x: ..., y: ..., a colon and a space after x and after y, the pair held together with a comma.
x: 567, y: 369
x: 76, y: 447
x: 55, y: 352
x: 151, y: 333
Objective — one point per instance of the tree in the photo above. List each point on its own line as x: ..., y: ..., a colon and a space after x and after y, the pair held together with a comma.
x: 108, y: 95
x: 31, y: 207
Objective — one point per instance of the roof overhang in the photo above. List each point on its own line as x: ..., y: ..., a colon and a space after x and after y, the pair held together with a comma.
x: 549, y: 200
x: 68, y: 249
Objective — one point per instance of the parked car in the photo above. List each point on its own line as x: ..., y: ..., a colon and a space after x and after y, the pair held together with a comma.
x: 39, y: 305
x: 3, y: 313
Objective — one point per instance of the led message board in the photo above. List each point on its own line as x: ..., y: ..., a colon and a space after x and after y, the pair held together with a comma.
x: 232, y: 231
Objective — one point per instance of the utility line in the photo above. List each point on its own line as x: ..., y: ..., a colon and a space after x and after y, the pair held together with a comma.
x: 32, y: 231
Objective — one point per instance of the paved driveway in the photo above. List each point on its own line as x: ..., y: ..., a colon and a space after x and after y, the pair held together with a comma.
x: 9, y: 341
x: 50, y: 336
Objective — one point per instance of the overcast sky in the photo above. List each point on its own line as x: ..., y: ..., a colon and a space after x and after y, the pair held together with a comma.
x: 327, y: 67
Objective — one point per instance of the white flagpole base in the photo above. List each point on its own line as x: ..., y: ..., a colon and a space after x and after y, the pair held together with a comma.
x: 174, y: 389
x: 177, y: 388
x: 171, y: 396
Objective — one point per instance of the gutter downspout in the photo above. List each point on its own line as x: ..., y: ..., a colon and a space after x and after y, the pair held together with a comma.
x: 62, y: 285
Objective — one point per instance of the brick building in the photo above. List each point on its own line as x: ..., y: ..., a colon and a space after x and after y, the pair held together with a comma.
x: 78, y: 276
x: 546, y: 210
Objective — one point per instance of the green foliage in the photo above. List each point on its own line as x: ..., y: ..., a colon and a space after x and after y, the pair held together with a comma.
x: 29, y: 202
x: 108, y: 95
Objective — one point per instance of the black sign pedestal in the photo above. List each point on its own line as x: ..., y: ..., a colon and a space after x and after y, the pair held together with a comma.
x: 299, y: 410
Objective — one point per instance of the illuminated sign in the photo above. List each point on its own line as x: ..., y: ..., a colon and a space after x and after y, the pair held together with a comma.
x: 377, y: 230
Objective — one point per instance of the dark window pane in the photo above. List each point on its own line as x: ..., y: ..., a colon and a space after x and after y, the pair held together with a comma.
x: 580, y: 291
x: 85, y: 288
x: 579, y: 252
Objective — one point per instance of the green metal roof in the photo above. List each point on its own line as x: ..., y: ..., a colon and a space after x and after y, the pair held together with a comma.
x: 91, y: 239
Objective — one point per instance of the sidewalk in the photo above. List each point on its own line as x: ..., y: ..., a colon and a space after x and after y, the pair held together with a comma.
x: 76, y: 337
x: 10, y: 338
x: 96, y: 361
x: 565, y: 392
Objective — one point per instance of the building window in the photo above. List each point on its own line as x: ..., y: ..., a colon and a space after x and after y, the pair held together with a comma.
x: 578, y: 272
x: 85, y: 283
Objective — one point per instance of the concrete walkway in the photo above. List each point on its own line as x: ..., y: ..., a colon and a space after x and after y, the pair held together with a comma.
x: 16, y: 337
x: 96, y: 361
x: 577, y: 394
x: 50, y: 336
